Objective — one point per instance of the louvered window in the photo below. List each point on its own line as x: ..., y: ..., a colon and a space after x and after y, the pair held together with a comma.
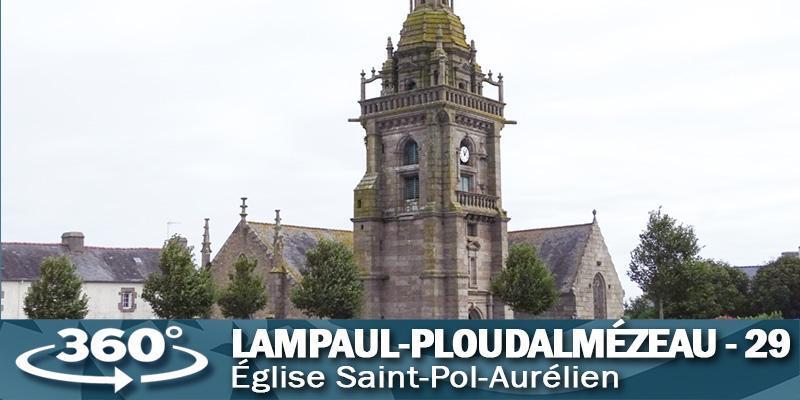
x: 411, y: 153
x: 412, y: 188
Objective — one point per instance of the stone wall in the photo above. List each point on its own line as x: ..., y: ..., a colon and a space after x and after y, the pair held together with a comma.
x: 597, y: 260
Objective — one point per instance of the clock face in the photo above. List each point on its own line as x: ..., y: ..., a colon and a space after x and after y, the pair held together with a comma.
x: 464, y: 154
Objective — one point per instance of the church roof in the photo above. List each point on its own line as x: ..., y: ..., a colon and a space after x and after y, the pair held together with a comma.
x: 298, y: 240
x: 561, y: 248
x: 422, y: 26
x: 21, y: 262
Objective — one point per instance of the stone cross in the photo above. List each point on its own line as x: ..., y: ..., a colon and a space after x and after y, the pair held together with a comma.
x: 244, y: 209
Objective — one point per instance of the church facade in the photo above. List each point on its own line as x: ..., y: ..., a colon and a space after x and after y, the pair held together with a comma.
x: 429, y: 227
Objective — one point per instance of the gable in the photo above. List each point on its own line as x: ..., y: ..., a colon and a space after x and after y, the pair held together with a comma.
x: 298, y: 240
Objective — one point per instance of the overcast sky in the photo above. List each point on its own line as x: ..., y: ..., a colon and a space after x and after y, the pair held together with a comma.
x: 119, y: 116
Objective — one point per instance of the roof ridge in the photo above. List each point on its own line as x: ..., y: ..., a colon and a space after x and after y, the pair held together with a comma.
x: 302, y: 227
x: 552, y: 227
x: 122, y: 248
x: 86, y: 247
x: 33, y: 244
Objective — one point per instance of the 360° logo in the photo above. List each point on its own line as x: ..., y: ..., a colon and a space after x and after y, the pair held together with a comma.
x: 107, y: 346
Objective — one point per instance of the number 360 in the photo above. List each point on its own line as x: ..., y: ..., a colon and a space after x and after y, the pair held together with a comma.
x: 107, y: 347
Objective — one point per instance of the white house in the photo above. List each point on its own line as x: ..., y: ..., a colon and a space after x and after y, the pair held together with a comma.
x: 113, y: 277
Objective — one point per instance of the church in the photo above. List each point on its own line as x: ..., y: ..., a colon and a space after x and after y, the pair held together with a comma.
x: 429, y: 227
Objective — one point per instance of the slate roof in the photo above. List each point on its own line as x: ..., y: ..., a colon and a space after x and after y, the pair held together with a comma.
x: 561, y: 248
x: 751, y: 271
x: 21, y: 262
x: 298, y: 240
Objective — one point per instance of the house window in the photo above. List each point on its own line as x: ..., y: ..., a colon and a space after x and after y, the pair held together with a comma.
x: 472, y: 230
x: 127, y: 300
x: 412, y: 193
x: 466, y: 183
x: 411, y: 153
x: 473, y: 272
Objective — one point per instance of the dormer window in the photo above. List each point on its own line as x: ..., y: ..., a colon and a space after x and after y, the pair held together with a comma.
x: 411, y: 153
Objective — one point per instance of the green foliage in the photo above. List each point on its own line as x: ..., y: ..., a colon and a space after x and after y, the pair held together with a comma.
x: 58, y: 292
x: 775, y: 315
x: 661, y: 263
x: 776, y: 287
x: 640, y: 308
x: 713, y: 289
x: 180, y: 290
x: 331, y: 286
x: 526, y: 285
x: 246, y: 293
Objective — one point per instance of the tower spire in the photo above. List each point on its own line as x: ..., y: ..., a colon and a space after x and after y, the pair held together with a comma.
x: 389, y: 48
x: 206, y: 250
x: 415, y: 4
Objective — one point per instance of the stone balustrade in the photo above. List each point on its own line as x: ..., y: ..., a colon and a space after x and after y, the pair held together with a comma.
x: 476, y: 200
x: 432, y: 95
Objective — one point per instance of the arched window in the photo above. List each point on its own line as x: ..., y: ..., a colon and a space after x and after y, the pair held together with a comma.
x: 599, y: 292
x: 411, y: 153
x: 475, y: 313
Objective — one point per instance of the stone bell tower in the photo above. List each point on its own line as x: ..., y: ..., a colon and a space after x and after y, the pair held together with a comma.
x: 429, y: 227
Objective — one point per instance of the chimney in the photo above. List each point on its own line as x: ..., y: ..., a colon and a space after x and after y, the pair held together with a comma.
x: 73, y: 241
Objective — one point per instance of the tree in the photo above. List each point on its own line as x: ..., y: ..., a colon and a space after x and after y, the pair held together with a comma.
x: 331, y: 286
x: 640, y: 308
x: 246, y: 293
x: 776, y: 287
x: 714, y: 289
x: 660, y: 263
x: 179, y: 290
x: 58, y: 292
x: 525, y: 284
